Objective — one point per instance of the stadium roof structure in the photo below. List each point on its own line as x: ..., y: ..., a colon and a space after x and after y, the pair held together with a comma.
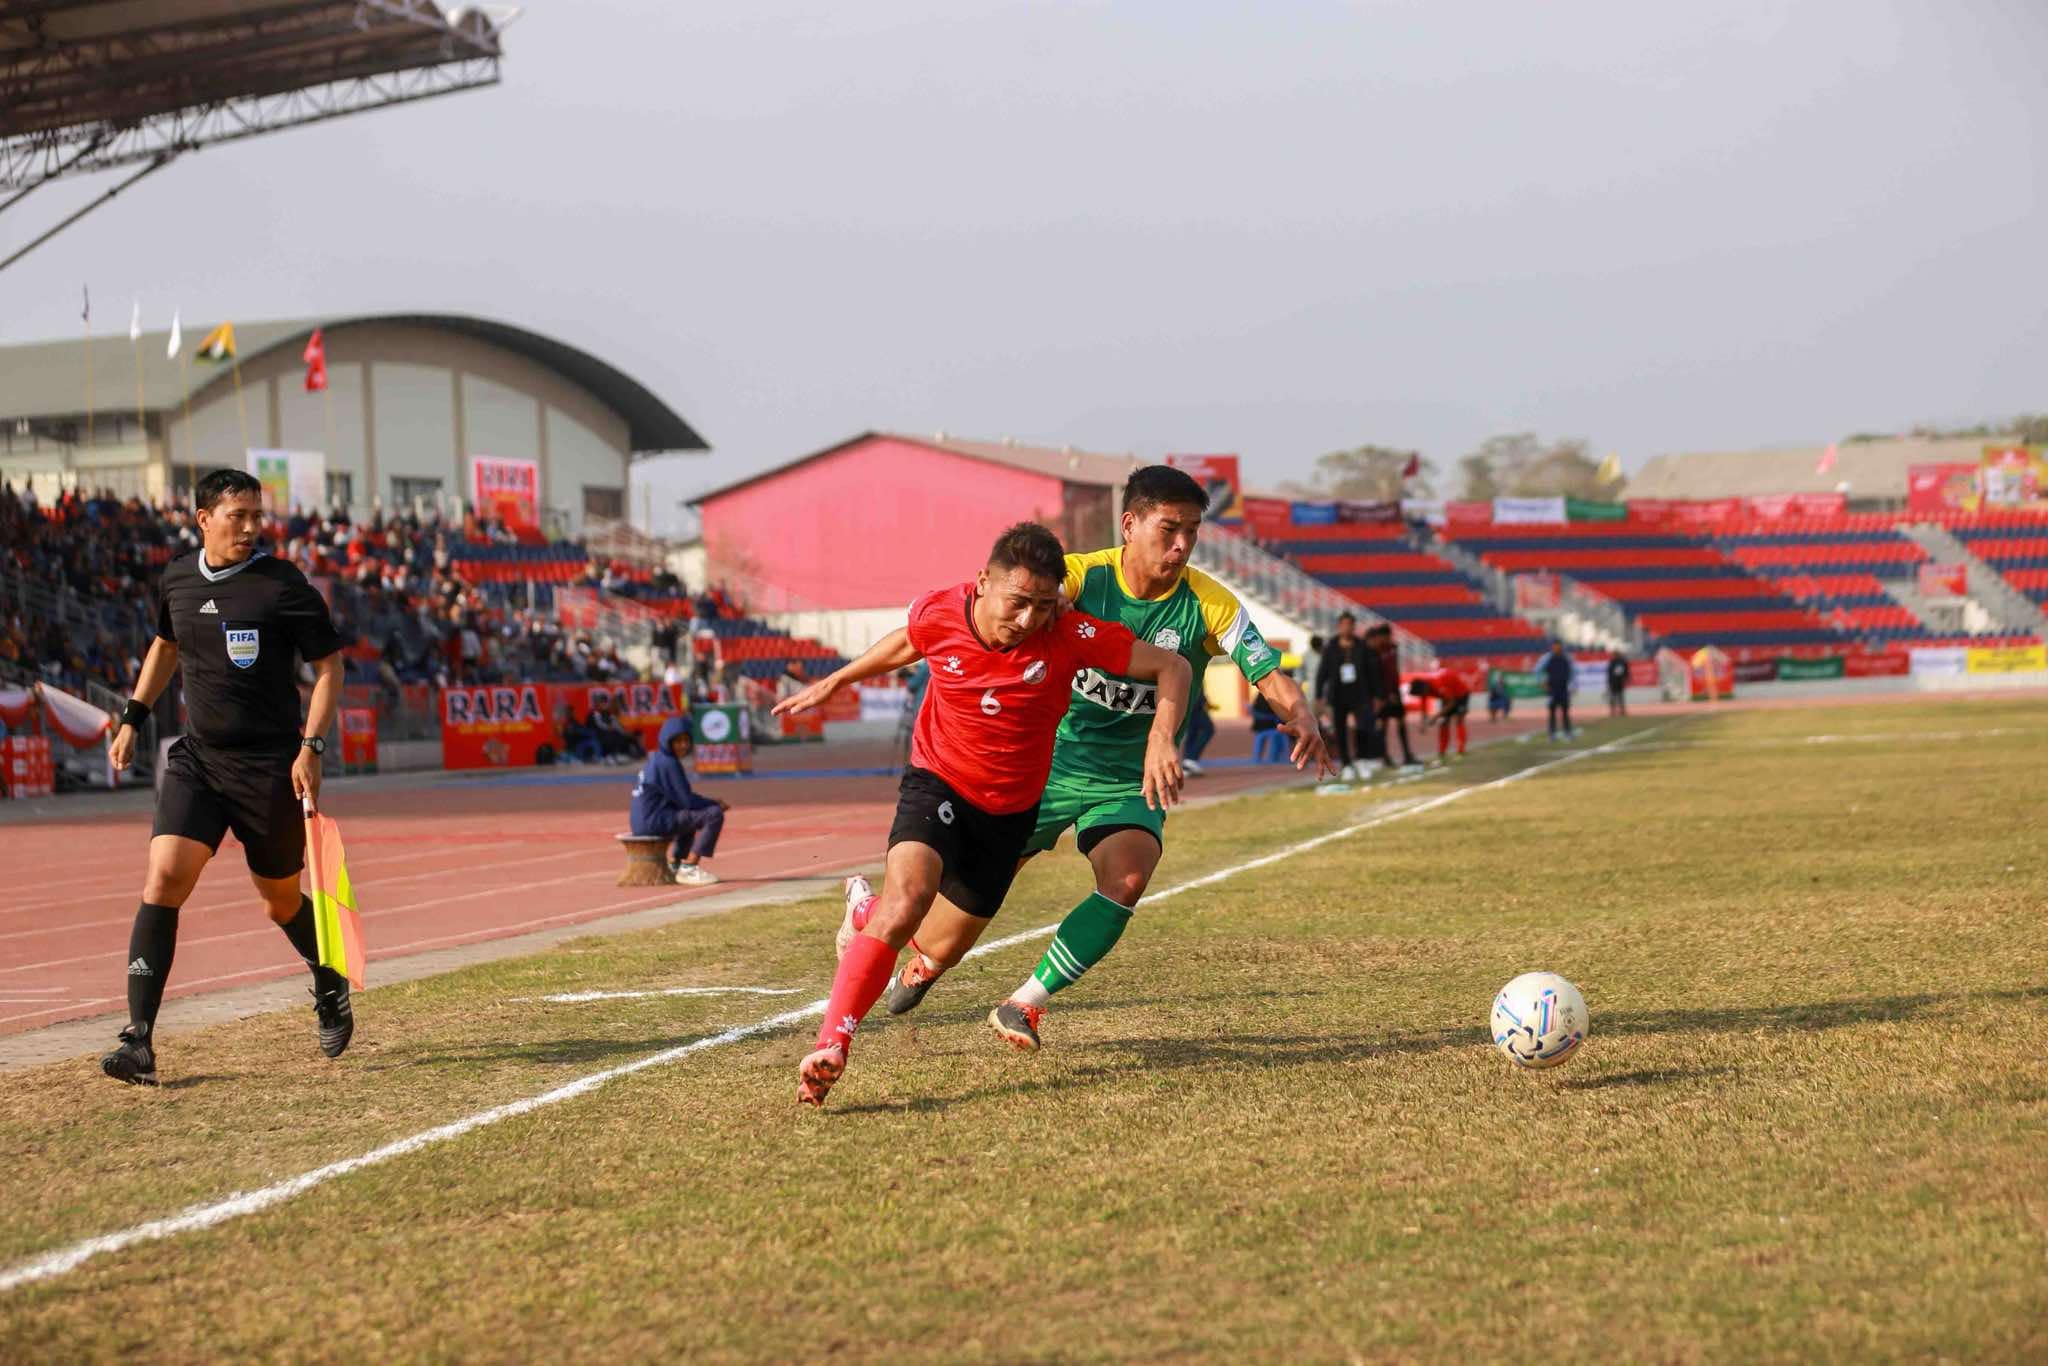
x: 33, y: 376
x: 88, y: 85
x: 1077, y: 467
x: 1871, y: 469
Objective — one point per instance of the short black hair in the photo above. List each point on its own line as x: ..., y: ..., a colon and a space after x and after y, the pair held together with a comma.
x: 1351, y: 617
x: 223, y: 484
x: 1029, y: 546
x: 1147, y: 488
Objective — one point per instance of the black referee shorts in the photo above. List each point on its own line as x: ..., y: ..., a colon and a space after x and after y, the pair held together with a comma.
x: 978, y: 852
x: 208, y: 792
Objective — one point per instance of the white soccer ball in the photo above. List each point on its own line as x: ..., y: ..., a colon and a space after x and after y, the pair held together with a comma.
x: 1539, y: 1020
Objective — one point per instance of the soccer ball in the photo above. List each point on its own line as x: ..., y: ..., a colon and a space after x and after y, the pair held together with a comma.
x: 1539, y: 1020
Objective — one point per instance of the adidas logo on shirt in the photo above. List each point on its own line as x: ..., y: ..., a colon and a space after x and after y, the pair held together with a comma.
x: 209, y: 610
x: 139, y: 968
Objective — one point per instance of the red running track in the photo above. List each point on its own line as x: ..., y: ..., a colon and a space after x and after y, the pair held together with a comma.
x: 437, y: 862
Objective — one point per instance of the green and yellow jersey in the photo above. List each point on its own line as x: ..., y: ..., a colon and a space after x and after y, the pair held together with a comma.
x: 1102, y: 737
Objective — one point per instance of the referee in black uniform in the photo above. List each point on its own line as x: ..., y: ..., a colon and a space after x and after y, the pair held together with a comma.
x: 232, y: 618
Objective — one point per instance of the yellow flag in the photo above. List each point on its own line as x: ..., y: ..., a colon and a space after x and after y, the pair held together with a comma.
x: 219, y: 344
x: 1610, y: 470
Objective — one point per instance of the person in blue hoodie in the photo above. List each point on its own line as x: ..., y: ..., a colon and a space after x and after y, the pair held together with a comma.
x: 664, y: 803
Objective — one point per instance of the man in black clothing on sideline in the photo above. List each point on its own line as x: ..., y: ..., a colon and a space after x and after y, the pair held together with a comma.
x: 1347, y: 681
x: 231, y: 619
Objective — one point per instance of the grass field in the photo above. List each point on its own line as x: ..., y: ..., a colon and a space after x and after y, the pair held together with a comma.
x: 1811, y: 1121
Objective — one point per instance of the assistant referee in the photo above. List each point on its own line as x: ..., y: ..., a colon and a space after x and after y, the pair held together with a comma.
x: 232, y: 618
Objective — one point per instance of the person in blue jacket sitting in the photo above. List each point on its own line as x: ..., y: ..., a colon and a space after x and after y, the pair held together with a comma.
x: 664, y: 803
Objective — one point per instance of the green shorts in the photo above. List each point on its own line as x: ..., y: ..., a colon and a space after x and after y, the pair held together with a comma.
x: 1095, y: 812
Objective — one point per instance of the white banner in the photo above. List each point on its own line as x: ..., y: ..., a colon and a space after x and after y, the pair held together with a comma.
x: 1940, y: 663
x: 882, y: 703
x: 1430, y: 510
x: 1528, y: 511
x: 290, y: 479
x: 1590, y: 676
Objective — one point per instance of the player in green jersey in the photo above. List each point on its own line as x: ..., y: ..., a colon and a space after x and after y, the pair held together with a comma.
x: 1098, y: 760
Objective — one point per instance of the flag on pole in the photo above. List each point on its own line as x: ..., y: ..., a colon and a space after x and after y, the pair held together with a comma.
x: 1827, y: 460
x: 177, y: 341
x: 135, y: 323
x: 316, y: 363
x: 1610, y: 470
x: 87, y: 314
x: 218, y: 345
x: 1413, y: 467
x: 336, y: 922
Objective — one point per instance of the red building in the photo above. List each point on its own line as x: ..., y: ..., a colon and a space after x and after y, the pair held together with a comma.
x: 876, y: 520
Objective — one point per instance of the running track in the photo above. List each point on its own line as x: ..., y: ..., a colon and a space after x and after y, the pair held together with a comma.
x: 438, y: 861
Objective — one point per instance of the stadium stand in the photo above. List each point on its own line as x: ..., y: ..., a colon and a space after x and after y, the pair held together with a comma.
x: 1380, y: 567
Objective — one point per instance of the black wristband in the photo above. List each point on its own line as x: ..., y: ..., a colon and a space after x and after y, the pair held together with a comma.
x: 134, y: 714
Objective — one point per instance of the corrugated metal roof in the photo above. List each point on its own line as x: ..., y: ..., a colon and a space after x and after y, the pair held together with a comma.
x: 1872, y: 469
x: 47, y: 379
x: 1079, y: 467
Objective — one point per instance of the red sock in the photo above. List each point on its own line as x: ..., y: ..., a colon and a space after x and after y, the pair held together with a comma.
x: 1443, y: 739
x: 863, y: 976
x: 1461, y: 735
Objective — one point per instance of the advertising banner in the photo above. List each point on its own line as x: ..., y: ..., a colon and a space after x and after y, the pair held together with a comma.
x: 1650, y: 511
x: 498, y: 727
x: 1217, y: 474
x: 1770, y: 506
x: 1890, y: 664
x: 1521, y: 682
x: 1312, y: 514
x: 1756, y: 670
x: 1947, y: 487
x: 290, y: 479
x: 1268, y: 517
x: 2013, y: 476
x: 1944, y: 580
x: 1589, y: 676
x: 1537, y: 592
x: 1819, y: 504
x: 1941, y: 662
x: 1593, y: 510
x: 2006, y: 659
x: 1356, y: 510
x: 640, y: 707
x: 1795, y: 669
x: 724, y: 744
x: 1468, y: 514
x: 358, y: 740
x: 506, y: 490
x: 1528, y: 511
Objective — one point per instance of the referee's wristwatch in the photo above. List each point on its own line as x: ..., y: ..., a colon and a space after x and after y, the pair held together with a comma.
x: 315, y: 743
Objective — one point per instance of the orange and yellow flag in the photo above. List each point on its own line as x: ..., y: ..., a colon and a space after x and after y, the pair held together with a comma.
x: 335, y: 919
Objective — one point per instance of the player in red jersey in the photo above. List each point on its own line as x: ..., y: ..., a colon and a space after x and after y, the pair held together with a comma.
x: 1002, y: 665
x: 1453, y: 692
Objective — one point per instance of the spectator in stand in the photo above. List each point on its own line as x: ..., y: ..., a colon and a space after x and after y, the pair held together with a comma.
x: 579, y: 741
x: 1347, y: 687
x: 665, y: 804
x: 1393, y: 710
x: 672, y: 675
x: 1617, y: 684
x: 703, y: 656
x: 1559, y: 675
x: 614, y: 741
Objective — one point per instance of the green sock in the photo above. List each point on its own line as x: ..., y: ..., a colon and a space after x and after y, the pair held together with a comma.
x: 1084, y: 939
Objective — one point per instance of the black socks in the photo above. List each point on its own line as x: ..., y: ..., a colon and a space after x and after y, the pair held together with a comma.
x: 299, y: 929
x: 150, y: 946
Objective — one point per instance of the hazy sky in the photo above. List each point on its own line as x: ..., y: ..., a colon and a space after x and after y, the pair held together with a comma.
x: 1276, y: 228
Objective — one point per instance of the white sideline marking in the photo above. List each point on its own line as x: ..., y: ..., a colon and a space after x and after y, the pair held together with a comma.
x: 576, y: 998
x: 196, y: 1217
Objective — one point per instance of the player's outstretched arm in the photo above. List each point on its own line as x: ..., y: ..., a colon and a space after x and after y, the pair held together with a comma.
x: 157, y: 667
x: 1172, y: 679
x: 893, y: 651
x: 1283, y: 694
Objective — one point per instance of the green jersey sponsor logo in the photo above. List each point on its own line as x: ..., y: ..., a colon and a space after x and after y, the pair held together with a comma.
x: 1116, y: 694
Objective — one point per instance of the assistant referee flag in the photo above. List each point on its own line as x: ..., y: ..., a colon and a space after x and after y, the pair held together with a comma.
x: 335, y: 921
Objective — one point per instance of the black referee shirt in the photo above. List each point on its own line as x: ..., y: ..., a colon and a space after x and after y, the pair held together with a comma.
x: 236, y: 630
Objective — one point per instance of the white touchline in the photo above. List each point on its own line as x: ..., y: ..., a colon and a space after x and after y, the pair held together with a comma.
x: 573, y: 998
x: 196, y: 1217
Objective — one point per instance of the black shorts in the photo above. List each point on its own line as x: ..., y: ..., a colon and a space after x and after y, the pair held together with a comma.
x: 1453, y: 710
x: 978, y: 853
x: 208, y: 792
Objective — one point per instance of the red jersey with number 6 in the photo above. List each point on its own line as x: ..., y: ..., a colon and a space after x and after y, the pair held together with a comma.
x: 989, y: 716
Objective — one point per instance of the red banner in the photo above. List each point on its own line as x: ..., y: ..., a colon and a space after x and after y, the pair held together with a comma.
x: 640, y: 707
x: 1356, y: 510
x: 1217, y: 474
x: 1269, y: 517
x: 506, y: 490
x: 1947, y: 487
x: 1819, y: 504
x: 358, y: 739
x: 1469, y: 514
x: 1888, y: 665
x: 501, y: 727
x: 1944, y: 580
